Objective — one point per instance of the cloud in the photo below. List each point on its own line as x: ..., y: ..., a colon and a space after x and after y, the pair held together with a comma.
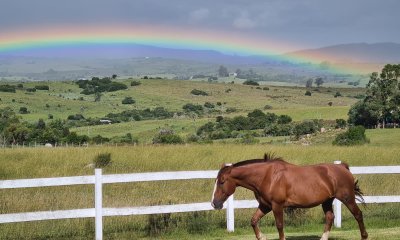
x: 244, y: 22
x: 199, y: 14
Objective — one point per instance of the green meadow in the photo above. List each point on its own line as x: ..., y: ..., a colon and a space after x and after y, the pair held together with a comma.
x: 21, y: 163
x: 64, y: 99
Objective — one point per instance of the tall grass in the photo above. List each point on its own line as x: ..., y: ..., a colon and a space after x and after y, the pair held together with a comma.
x: 55, y: 162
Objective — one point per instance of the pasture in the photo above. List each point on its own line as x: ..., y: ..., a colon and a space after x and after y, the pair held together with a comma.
x: 381, y: 219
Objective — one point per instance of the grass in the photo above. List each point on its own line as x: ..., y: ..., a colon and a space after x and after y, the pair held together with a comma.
x: 43, y: 162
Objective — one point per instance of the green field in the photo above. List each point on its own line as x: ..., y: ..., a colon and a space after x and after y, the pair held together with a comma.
x: 43, y: 162
x: 64, y: 99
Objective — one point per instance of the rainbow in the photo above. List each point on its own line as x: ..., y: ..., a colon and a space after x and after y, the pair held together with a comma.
x: 159, y: 36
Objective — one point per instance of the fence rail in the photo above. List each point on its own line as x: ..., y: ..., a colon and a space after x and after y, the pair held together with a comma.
x: 99, y: 211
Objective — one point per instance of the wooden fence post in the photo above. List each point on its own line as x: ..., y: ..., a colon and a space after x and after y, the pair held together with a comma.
x: 230, y: 214
x: 338, y: 207
x: 98, y: 204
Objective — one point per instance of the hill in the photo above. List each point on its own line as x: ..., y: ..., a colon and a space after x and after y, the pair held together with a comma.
x: 355, y: 52
x: 64, y: 99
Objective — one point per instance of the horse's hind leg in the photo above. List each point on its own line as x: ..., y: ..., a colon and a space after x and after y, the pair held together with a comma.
x: 329, y: 216
x: 352, y: 206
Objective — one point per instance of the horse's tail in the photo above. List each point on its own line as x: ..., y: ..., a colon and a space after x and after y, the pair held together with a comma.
x: 357, y: 190
x: 359, y: 194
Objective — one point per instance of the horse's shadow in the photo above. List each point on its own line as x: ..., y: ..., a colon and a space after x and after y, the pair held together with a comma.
x: 311, y: 237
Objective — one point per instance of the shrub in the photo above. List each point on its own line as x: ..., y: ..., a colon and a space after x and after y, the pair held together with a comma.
x: 76, y: 117
x: 337, y: 94
x: 248, y: 138
x: 209, y: 105
x: 251, y: 82
x: 353, y: 136
x: 7, y: 88
x: 99, y: 139
x: 23, y: 110
x: 102, y: 160
x: 167, y: 137
x: 340, y: 123
x: 128, y: 100
x: 135, y: 83
x: 284, y: 119
x: 308, y: 93
x: 306, y: 127
x: 31, y: 89
x: 266, y: 88
x: 267, y: 107
x: 42, y: 87
x: 189, y: 107
x: 198, y: 92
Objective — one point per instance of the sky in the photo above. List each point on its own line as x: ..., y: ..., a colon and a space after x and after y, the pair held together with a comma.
x: 299, y: 23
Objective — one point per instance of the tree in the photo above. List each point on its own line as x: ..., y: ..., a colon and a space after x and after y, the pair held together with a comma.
x: 309, y: 83
x: 114, y: 76
x: 384, y: 91
x: 319, y: 81
x: 223, y: 71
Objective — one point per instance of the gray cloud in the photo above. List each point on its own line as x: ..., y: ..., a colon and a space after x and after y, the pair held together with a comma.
x: 308, y: 23
x: 199, y: 14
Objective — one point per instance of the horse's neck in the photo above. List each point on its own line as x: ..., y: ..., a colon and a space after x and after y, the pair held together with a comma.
x: 249, y: 177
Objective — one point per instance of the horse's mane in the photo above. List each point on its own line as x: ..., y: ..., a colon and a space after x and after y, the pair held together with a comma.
x: 268, y: 157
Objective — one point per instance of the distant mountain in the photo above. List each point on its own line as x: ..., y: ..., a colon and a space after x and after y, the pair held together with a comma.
x: 123, y: 51
x: 354, y: 52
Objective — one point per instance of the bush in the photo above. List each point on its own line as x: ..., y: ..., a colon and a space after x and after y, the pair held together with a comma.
x: 189, y: 107
x: 31, y: 89
x: 102, y: 160
x: 353, y: 136
x: 248, y: 138
x: 135, y: 83
x: 337, y: 94
x: 231, y: 110
x: 76, y: 117
x: 99, y: 139
x: 267, y: 107
x: 308, y: 93
x: 198, y: 92
x: 340, y: 123
x: 7, y: 88
x: 23, y: 110
x: 284, y: 119
x: 251, y: 82
x: 167, y: 137
x: 306, y: 127
x: 42, y: 87
x: 266, y: 88
x: 128, y: 100
x: 209, y: 105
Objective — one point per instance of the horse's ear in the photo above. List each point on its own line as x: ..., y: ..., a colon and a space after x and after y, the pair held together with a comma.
x: 226, y: 165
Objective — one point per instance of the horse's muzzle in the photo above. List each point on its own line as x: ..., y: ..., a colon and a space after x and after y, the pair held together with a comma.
x: 217, y: 205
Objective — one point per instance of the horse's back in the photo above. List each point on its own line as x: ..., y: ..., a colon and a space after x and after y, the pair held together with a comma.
x: 311, y: 185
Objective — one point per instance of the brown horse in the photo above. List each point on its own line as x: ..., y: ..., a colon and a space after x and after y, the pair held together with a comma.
x: 277, y: 184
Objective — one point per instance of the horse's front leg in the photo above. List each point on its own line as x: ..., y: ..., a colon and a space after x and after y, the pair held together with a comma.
x: 260, y: 212
x: 278, y: 214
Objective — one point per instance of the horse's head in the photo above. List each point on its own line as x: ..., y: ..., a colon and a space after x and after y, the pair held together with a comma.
x: 224, y: 186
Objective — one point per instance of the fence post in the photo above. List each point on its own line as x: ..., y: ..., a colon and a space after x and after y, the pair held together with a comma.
x: 98, y: 204
x: 338, y: 207
x: 230, y: 214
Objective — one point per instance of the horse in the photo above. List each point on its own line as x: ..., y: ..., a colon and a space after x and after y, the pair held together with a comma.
x: 278, y: 184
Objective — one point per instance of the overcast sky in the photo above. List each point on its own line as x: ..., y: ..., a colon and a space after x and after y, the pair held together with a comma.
x: 306, y: 23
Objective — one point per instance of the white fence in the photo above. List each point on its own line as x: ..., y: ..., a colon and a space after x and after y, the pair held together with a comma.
x: 99, y: 211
